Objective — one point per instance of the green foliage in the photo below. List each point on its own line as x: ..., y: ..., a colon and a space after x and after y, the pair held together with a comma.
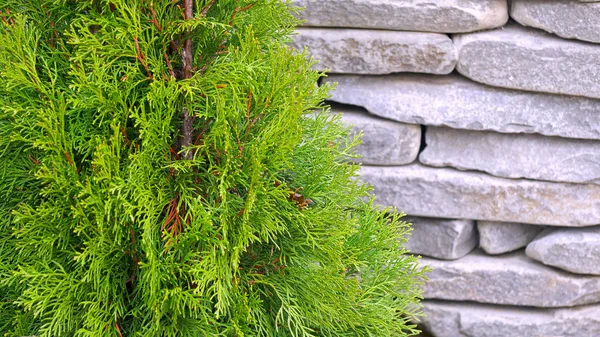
x: 106, y: 231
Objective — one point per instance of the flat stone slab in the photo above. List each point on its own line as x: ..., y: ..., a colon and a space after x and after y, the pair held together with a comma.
x: 576, y: 250
x: 514, y: 156
x: 565, y: 18
x: 511, y: 279
x: 451, y: 16
x: 524, y: 58
x: 360, y: 51
x: 503, y: 237
x: 384, y: 142
x: 448, y: 193
x: 447, y: 319
x: 442, y: 239
x: 459, y: 103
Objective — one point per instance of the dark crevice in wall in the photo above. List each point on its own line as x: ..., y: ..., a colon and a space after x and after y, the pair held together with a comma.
x: 321, y: 80
x: 423, y: 139
x: 336, y: 105
x: 348, y: 107
x: 341, y: 107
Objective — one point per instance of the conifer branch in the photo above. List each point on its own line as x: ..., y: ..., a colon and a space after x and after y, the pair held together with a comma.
x: 104, y: 229
x: 169, y: 65
x: 207, y: 8
x: 154, y: 20
x: 142, y: 58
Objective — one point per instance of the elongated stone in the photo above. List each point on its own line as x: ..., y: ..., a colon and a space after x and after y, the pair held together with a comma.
x: 449, y: 193
x: 565, y: 18
x: 576, y: 250
x: 384, y: 142
x: 443, y: 16
x: 359, y: 51
x: 524, y: 58
x: 442, y: 239
x: 459, y: 103
x: 449, y: 319
x: 504, y: 237
x: 514, y: 156
x: 511, y: 279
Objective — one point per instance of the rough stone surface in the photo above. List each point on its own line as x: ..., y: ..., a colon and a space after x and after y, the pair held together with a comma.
x: 514, y: 156
x: 459, y: 103
x: 444, y: 319
x: 448, y: 193
x: 565, y: 18
x: 574, y: 250
x: 384, y: 142
x: 528, y: 59
x: 443, y: 16
x: 442, y: 239
x: 511, y: 279
x: 504, y: 237
x: 359, y: 51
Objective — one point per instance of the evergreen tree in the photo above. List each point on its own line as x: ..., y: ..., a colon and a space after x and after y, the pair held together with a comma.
x: 162, y: 173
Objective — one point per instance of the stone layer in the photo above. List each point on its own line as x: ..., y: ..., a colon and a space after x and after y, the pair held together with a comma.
x: 359, y: 51
x: 511, y: 279
x: 459, y: 103
x: 446, y: 319
x: 449, y: 193
x: 503, y: 237
x: 514, y: 156
x: 442, y: 239
x: 528, y: 59
x: 573, y: 250
x: 384, y: 142
x: 451, y: 16
x: 565, y: 18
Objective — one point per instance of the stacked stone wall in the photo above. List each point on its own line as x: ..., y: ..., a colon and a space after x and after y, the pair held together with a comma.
x: 481, y: 121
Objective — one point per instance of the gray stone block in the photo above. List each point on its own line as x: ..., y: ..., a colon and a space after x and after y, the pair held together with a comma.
x: 565, y: 18
x: 443, y: 16
x: 447, y: 319
x: 511, y: 279
x: 448, y: 193
x: 524, y: 58
x: 514, y: 156
x: 359, y: 51
x: 459, y: 103
x: 384, y: 142
x: 572, y: 249
x: 504, y: 237
x: 442, y: 239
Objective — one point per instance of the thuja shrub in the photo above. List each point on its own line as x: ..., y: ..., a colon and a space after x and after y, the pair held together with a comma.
x: 163, y: 173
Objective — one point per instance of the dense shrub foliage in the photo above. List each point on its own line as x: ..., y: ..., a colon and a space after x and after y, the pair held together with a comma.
x: 115, y: 222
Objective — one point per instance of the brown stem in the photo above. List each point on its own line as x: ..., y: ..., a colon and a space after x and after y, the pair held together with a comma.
x: 205, y: 10
x: 142, y: 58
x: 187, y: 44
x: 118, y: 329
x: 187, y: 58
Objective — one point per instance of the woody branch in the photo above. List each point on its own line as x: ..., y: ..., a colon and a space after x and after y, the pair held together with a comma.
x: 187, y: 60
